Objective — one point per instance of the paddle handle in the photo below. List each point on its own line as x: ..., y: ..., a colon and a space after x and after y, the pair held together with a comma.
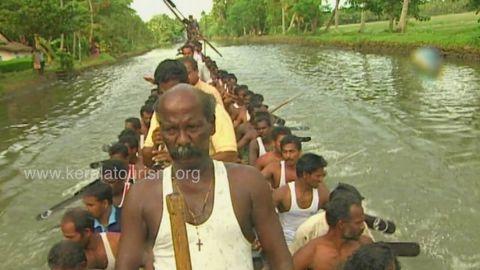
x: 379, y: 224
x: 175, y: 205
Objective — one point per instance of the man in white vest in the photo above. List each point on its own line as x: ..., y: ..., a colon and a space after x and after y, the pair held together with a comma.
x: 299, y: 200
x: 227, y: 205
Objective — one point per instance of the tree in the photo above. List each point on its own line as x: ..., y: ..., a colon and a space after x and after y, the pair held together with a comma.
x: 475, y: 4
x: 309, y: 12
x: 373, y: 6
x: 334, y: 16
x: 165, y: 29
x: 402, y: 23
x: 246, y: 17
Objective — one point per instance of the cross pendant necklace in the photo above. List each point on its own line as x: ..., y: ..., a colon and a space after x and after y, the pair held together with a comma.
x: 199, y: 244
x: 194, y: 217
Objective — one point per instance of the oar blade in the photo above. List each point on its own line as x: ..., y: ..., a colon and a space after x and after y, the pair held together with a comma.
x: 404, y: 249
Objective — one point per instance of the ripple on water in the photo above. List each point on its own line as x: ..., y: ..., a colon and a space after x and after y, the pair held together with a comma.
x: 466, y: 262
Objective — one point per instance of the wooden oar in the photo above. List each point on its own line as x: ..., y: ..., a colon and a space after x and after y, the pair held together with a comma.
x: 175, y: 205
x: 350, y: 156
x: 61, y: 205
x: 181, y: 18
x: 404, y: 249
x: 379, y: 224
x: 284, y: 103
x: 299, y: 128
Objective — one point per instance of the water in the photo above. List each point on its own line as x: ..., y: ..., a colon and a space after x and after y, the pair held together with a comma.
x: 410, y: 144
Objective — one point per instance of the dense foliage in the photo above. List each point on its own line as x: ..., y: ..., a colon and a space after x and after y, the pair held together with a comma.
x: 17, y: 64
x: 76, y: 26
x: 241, y: 17
x: 165, y: 29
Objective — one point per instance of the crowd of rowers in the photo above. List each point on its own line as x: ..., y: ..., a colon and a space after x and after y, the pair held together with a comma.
x: 253, y: 200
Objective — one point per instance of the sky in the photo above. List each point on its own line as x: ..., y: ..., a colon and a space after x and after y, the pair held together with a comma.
x: 148, y: 8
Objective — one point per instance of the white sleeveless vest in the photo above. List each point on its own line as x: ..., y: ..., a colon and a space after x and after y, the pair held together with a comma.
x: 261, y: 147
x: 292, y: 219
x: 223, y: 244
x: 283, y: 174
x: 108, y: 251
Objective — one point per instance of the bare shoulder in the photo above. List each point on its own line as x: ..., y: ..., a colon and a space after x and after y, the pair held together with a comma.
x: 253, y: 144
x: 271, y: 166
x: 113, y: 237
x: 247, y: 180
x: 364, y: 240
x: 141, y: 194
x: 282, y: 191
x: 244, y: 173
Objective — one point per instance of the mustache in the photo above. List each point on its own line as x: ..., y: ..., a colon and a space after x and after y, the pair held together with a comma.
x: 185, y: 152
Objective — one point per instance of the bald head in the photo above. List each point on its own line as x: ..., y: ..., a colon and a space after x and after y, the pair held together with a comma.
x: 186, y: 98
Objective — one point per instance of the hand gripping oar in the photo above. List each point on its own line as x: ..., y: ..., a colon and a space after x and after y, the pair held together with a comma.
x: 404, y: 249
x: 61, y: 205
x: 175, y: 206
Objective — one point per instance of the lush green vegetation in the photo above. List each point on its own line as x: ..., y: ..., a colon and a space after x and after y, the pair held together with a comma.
x: 74, y: 26
x: 18, y: 64
x: 68, y: 31
x: 165, y: 29
x: 445, y: 31
x: 455, y: 33
x: 254, y: 17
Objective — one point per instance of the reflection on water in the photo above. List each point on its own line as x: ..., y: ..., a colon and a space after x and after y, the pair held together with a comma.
x: 410, y: 144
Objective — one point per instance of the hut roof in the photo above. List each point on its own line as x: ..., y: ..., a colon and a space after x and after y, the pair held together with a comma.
x: 12, y: 46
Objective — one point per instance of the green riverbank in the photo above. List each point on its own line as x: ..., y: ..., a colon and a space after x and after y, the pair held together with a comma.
x: 456, y: 35
x: 18, y: 81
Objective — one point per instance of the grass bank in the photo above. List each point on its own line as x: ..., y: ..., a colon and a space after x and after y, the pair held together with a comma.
x: 23, y: 80
x: 456, y: 35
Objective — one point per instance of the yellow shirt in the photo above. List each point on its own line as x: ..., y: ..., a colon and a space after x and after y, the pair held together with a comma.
x: 222, y: 141
x: 207, y: 88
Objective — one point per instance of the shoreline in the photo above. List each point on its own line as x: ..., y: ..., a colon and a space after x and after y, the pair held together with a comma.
x: 14, y: 83
x: 466, y: 53
x: 457, y: 36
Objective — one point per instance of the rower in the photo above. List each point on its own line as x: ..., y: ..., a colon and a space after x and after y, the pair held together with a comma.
x: 134, y: 123
x: 316, y: 225
x: 230, y: 81
x: 135, y: 161
x: 115, y: 173
x: 263, y: 125
x: 192, y: 69
x: 280, y: 173
x: 299, y: 200
x: 375, y: 256
x: 197, y: 53
x: 246, y: 134
x: 189, y: 51
x: 221, y: 230
x: 100, y: 248
x: 98, y: 201
x: 278, y: 133
x: 119, y: 151
x: 67, y: 255
x: 345, y: 220
x: 223, y: 145
x: 146, y: 113
x: 239, y: 106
